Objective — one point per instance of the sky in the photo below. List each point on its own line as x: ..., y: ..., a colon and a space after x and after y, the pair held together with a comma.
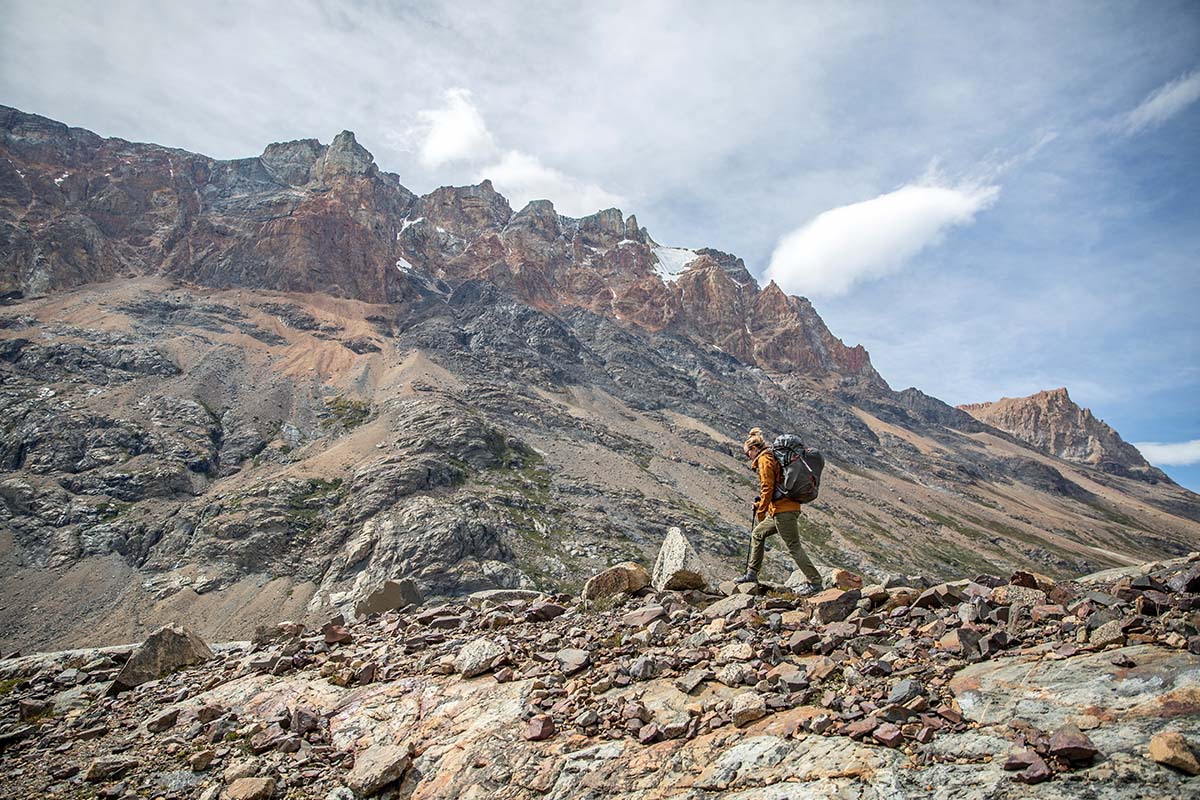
x: 992, y: 199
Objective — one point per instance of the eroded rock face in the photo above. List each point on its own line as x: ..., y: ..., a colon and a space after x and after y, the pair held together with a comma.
x: 1053, y: 423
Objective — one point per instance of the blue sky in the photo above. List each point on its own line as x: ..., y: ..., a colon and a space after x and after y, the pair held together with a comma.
x: 992, y: 199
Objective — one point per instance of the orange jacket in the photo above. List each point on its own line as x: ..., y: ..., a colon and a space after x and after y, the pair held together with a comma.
x: 769, y: 470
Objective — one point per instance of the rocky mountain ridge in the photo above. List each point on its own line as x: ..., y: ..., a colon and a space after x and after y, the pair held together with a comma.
x: 248, y: 389
x: 960, y: 690
x: 1054, y: 423
x: 306, y: 217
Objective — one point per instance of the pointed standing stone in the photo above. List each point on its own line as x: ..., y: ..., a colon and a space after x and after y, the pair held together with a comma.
x: 677, y: 566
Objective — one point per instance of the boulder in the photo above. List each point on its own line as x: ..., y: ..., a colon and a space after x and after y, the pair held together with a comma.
x: 169, y: 648
x: 393, y: 594
x: 1172, y: 749
x: 845, y: 579
x: 729, y: 605
x: 376, y: 767
x: 107, y: 767
x: 625, y: 578
x: 746, y: 708
x: 834, y: 605
x: 540, y: 727
x: 677, y: 565
x: 477, y: 657
x: 571, y: 660
x: 1071, y: 744
x: 250, y: 789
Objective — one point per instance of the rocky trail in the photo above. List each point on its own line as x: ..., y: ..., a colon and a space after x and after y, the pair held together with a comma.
x: 648, y: 685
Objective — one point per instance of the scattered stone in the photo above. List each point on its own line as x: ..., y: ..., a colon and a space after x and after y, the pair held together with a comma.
x: 1107, y: 634
x: 250, y: 789
x: 169, y: 648
x: 1186, y: 581
x: 625, y: 578
x: 162, y: 721
x: 477, y: 657
x: 540, y: 727
x: 729, y: 606
x: 833, y: 605
x: 108, y: 767
x: 201, y: 760
x: 677, y: 566
x: 844, y: 579
x: 904, y: 691
x: 376, y: 767
x: 641, y: 617
x: 1036, y: 772
x: 393, y: 594
x: 572, y: 660
x: 746, y: 708
x: 1073, y: 745
x: 1172, y: 749
x: 887, y: 735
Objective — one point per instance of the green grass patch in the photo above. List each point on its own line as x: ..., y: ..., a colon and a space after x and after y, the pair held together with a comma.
x: 346, y: 412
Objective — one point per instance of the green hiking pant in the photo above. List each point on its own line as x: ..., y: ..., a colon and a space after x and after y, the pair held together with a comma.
x: 787, y: 525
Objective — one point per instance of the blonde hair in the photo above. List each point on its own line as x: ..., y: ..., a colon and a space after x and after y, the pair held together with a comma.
x: 754, y: 441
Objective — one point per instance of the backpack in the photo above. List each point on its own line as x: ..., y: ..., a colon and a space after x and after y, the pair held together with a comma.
x: 800, y: 473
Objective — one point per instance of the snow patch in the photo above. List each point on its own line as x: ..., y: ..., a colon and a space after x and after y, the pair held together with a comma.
x: 404, y: 266
x: 672, y: 261
x: 61, y: 178
x: 408, y: 223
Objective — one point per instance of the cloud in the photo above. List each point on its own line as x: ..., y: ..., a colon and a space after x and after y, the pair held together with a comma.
x: 1170, y: 455
x: 864, y: 241
x: 521, y: 177
x: 455, y: 132
x: 1163, y: 103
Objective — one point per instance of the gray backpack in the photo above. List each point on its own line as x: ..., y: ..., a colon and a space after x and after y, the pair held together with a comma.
x: 800, y: 476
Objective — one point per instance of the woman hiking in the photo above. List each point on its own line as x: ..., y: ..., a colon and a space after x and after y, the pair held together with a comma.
x: 774, y: 515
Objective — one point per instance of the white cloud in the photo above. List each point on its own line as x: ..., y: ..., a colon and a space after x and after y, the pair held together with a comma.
x: 455, y: 132
x: 863, y: 241
x: 1170, y: 455
x: 1163, y: 103
x: 521, y: 177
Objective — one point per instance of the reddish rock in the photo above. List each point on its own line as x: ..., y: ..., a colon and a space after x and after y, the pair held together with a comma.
x: 336, y: 634
x: 860, y: 728
x: 887, y: 735
x: 1071, y: 744
x: 833, y: 605
x: 540, y: 727
x: 1037, y: 772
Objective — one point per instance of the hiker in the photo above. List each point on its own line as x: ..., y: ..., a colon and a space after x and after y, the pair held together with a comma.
x: 773, y: 515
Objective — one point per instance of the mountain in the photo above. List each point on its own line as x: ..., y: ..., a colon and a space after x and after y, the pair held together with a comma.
x: 236, y: 391
x: 1053, y: 423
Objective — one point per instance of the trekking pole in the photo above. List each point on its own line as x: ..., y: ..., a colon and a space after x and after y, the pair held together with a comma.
x: 750, y: 545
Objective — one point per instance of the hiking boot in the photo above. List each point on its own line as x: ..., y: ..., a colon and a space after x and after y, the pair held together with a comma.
x: 806, y: 589
x: 751, y: 576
